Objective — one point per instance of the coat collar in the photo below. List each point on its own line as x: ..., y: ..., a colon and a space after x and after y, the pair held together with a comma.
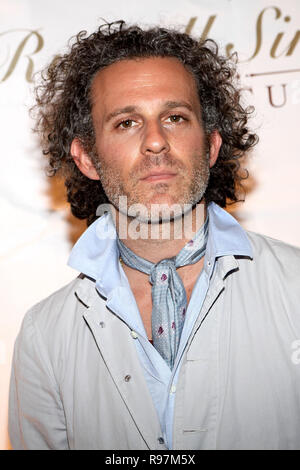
x: 96, y: 255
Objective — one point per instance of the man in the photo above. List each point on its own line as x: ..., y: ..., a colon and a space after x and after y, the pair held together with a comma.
x: 179, y: 331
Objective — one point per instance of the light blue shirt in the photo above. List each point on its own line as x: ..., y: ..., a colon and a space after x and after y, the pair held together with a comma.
x: 96, y: 255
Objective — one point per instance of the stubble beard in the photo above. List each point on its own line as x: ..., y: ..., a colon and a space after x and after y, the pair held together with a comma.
x: 190, y: 187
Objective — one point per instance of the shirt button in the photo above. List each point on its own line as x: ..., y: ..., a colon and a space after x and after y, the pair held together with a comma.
x: 161, y: 440
x: 173, y: 389
x: 134, y: 334
x: 127, y: 378
x: 208, y: 263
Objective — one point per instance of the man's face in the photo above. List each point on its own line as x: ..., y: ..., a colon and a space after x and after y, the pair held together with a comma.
x: 150, y: 143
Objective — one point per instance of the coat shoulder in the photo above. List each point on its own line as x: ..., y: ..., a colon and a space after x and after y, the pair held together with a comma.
x: 275, y: 268
x: 271, y: 280
x: 60, y: 307
x: 270, y: 248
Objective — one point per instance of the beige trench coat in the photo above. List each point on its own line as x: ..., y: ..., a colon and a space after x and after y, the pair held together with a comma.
x: 77, y: 382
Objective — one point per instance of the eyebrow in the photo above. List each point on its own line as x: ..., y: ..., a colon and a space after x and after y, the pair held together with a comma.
x: 178, y: 104
x: 131, y: 109
x: 113, y: 114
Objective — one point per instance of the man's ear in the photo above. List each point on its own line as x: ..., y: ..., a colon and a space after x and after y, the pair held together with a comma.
x: 215, y: 141
x: 82, y: 160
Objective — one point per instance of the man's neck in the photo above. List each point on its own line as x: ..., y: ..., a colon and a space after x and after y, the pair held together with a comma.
x: 160, y: 241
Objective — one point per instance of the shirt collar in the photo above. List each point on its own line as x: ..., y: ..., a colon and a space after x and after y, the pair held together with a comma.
x: 225, y: 235
x: 96, y: 255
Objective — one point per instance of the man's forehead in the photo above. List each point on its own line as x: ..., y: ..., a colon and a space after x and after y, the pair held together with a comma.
x: 162, y: 74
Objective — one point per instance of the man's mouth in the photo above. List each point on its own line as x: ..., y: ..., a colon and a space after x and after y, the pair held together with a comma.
x: 158, y: 175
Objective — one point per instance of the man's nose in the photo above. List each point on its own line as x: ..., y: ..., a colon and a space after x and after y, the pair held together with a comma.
x: 154, y: 140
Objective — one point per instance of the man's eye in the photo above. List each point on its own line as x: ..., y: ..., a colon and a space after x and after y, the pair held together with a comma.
x: 126, y: 124
x: 176, y: 118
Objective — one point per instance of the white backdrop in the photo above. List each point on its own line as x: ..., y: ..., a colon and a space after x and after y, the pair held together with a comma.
x: 37, y: 231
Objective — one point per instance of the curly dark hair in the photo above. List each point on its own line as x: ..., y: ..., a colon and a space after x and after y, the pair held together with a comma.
x: 63, y: 105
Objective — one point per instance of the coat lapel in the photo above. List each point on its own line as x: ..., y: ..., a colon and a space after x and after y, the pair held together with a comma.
x: 116, y: 346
